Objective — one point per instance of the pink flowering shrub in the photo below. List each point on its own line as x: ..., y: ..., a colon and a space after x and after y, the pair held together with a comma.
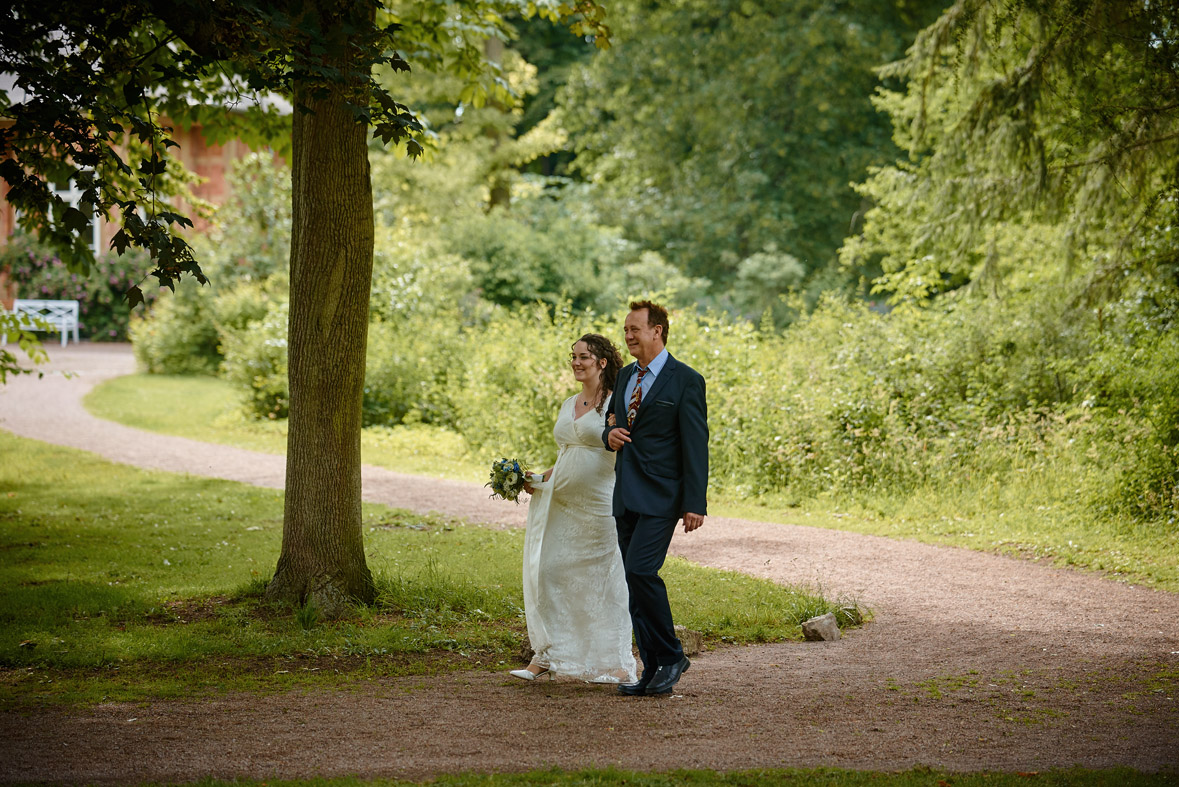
x: 39, y: 274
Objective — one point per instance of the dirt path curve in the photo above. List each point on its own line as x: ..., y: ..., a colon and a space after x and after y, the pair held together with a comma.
x: 973, y: 662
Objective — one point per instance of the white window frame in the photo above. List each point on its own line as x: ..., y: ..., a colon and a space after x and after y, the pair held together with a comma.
x: 73, y: 196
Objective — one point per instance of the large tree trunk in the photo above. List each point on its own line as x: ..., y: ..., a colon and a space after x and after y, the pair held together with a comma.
x: 322, y: 560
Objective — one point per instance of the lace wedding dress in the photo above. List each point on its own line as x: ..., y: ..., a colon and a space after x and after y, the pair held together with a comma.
x: 575, y: 597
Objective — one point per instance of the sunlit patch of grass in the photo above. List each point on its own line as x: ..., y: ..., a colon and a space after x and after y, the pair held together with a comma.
x: 1010, y: 524
x: 213, y: 414
x: 734, y: 607
x: 123, y: 583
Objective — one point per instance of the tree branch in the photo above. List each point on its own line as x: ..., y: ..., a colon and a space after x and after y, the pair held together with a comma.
x: 196, y: 23
x: 1126, y: 148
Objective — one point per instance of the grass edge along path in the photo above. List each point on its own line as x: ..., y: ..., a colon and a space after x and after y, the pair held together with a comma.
x: 122, y: 584
x: 213, y: 415
x: 1132, y: 553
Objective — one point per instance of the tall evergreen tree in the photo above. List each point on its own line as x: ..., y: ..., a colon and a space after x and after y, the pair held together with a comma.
x: 1025, y: 121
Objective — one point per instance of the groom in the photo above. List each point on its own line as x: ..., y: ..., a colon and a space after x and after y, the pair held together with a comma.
x: 658, y: 423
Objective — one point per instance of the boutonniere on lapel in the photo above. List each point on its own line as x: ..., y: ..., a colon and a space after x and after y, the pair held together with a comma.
x: 611, y: 420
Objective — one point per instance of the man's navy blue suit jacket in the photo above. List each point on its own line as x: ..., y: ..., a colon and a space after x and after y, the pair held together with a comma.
x: 663, y: 471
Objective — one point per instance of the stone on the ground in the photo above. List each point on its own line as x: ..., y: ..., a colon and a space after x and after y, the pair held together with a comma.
x: 691, y: 641
x: 822, y: 628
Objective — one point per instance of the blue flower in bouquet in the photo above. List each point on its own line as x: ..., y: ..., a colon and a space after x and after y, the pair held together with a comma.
x: 507, y: 479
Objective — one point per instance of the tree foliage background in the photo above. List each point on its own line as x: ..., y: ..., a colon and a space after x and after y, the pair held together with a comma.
x: 715, y: 131
x: 90, y: 86
x: 925, y: 252
x: 1057, y: 120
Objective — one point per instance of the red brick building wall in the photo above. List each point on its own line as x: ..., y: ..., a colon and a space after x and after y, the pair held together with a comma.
x: 211, y: 162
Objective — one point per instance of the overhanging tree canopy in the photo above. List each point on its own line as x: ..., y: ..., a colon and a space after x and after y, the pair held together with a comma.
x: 94, y: 79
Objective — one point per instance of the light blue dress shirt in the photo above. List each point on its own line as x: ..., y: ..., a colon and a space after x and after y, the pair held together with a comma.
x: 653, y: 370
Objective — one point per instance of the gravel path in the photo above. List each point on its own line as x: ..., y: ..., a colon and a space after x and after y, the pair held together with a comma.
x: 973, y: 661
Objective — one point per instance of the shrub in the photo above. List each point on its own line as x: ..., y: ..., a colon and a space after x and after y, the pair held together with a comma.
x: 184, y: 332
x: 971, y: 397
x: 252, y: 237
x: 763, y: 279
x: 1133, y: 379
x: 178, y: 335
x: 236, y: 308
x: 103, y: 313
x: 539, y: 252
x: 412, y: 371
x: 515, y: 378
x: 256, y: 360
x: 650, y: 276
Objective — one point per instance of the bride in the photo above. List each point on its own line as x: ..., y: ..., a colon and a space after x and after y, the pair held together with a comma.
x: 575, y: 597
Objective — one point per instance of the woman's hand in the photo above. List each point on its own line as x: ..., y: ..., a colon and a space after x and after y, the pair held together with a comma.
x: 528, y: 487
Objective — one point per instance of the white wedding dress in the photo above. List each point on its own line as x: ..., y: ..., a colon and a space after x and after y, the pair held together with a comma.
x: 575, y: 597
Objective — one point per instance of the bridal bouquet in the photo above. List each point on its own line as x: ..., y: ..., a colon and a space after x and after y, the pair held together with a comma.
x: 507, y: 479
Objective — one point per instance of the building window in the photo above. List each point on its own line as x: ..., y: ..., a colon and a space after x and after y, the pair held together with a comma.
x: 73, y: 196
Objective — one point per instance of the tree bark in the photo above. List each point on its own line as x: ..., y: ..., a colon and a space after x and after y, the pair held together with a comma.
x: 322, y: 560
x: 499, y: 184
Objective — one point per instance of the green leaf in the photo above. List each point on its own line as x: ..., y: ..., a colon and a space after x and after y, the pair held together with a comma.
x: 133, y: 296
x: 153, y: 166
x: 120, y: 242
x: 175, y: 218
x: 132, y: 92
x: 75, y: 220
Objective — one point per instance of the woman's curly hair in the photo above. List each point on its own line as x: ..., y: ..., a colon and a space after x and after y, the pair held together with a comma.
x: 602, y: 348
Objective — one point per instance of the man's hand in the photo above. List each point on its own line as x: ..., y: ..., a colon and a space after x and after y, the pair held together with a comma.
x: 692, y: 521
x: 618, y: 438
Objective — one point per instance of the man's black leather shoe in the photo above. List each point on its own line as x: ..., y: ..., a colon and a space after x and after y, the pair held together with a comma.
x: 637, y: 689
x: 667, y: 676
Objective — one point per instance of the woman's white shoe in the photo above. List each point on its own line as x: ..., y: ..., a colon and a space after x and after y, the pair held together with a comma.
x: 527, y: 674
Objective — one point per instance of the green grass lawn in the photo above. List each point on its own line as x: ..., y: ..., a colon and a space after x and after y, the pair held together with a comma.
x: 120, y: 583
x: 993, y: 517
x: 212, y: 414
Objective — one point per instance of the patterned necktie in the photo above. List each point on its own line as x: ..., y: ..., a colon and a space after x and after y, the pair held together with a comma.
x: 636, y: 398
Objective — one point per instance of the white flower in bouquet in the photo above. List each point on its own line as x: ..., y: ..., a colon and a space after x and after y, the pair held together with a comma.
x: 507, y: 479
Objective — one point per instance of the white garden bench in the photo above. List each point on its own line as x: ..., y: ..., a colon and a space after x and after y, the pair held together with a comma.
x: 62, y: 315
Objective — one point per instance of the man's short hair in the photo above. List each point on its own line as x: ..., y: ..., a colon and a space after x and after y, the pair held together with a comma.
x: 656, y: 315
